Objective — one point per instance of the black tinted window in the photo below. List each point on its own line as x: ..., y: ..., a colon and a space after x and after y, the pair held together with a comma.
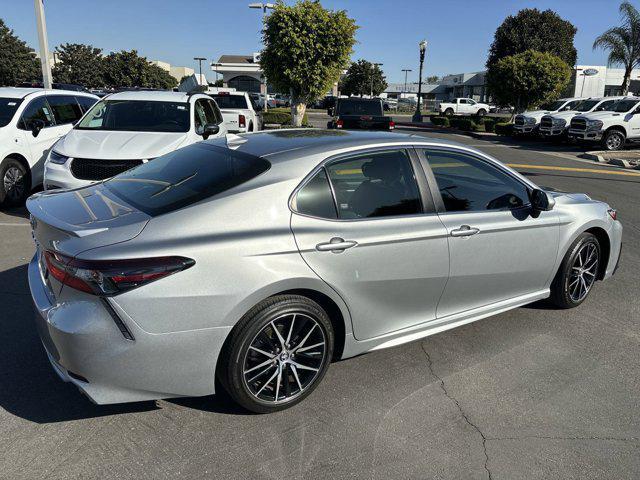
x: 65, y: 108
x: 315, y: 198
x: 184, y: 177
x: 359, y: 107
x: 469, y: 184
x: 8, y: 107
x: 231, y: 101
x: 37, y: 109
x: 86, y: 102
x: 375, y: 185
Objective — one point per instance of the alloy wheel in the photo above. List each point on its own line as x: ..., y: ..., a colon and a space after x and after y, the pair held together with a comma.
x: 13, y: 182
x: 614, y: 142
x: 284, y: 358
x: 583, y: 272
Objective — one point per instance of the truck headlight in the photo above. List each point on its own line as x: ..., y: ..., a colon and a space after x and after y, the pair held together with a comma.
x: 594, y: 124
x: 57, y: 158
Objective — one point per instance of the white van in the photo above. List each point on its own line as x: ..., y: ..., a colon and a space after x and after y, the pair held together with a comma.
x: 31, y: 121
x: 126, y: 129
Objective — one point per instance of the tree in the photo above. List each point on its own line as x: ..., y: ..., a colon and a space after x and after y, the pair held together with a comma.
x: 79, y: 64
x: 18, y: 62
x: 623, y: 43
x: 306, y: 47
x: 363, y: 78
x: 528, y: 79
x: 433, y: 79
x: 532, y: 29
x: 128, y: 69
x: 156, y: 77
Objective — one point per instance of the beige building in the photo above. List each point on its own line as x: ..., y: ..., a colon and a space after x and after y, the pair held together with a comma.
x: 175, y: 71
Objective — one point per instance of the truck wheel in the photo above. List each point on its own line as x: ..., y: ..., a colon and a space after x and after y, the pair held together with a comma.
x: 448, y: 112
x: 482, y: 112
x: 614, y: 140
x: 15, y: 185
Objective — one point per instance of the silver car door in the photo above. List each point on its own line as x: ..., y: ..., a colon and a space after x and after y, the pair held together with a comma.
x: 499, y: 249
x: 364, y: 227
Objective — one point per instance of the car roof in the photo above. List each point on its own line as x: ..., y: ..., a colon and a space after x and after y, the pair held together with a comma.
x: 21, y: 92
x: 311, y: 141
x: 152, y: 95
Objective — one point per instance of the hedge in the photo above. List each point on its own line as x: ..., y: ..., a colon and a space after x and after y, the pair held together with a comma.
x: 504, y: 128
x: 280, y: 116
x: 440, y: 121
x: 490, y: 124
x: 463, y: 124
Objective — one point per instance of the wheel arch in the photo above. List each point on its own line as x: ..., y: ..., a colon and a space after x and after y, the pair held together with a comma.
x: 617, y: 127
x: 605, y: 248
x: 24, y: 162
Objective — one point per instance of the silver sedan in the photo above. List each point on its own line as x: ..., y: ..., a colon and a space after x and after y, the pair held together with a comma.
x: 258, y: 259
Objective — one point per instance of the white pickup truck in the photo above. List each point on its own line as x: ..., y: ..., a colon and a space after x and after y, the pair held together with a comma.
x: 239, y: 112
x: 463, y: 106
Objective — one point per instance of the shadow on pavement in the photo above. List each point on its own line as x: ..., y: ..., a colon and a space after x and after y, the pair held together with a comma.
x: 19, y: 212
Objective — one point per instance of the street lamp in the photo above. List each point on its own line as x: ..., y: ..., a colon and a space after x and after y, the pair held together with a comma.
x: 373, y: 69
x: 417, y: 117
x: 200, y: 60
x: 264, y: 7
x: 406, y: 71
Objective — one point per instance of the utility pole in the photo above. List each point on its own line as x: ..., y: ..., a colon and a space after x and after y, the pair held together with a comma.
x: 417, y: 117
x: 264, y: 7
x: 406, y: 71
x: 44, y: 44
x: 200, y: 60
x: 373, y: 70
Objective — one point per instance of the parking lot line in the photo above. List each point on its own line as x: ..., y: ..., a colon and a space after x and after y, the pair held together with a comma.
x: 572, y: 169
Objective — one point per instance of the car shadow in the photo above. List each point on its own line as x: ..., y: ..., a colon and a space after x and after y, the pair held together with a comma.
x: 18, y: 212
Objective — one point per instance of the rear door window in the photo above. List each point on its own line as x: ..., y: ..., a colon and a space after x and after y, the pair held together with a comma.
x: 316, y: 199
x: 65, y: 108
x: 184, y: 177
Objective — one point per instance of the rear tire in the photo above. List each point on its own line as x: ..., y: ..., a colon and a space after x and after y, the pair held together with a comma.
x: 614, y: 140
x: 15, y: 184
x: 277, y: 354
x: 577, y: 273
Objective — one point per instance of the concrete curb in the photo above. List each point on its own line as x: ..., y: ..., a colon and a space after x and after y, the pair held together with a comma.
x: 422, y: 126
x: 615, y: 158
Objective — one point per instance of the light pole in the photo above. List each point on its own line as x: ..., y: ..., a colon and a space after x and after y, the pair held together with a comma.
x: 200, y: 60
x: 264, y: 7
x: 44, y: 44
x: 406, y: 71
x: 417, y: 117
x: 373, y: 70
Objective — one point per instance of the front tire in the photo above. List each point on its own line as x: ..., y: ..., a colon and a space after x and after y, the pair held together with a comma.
x: 14, y: 183
x: 614, y: 140
x: 482, y: 112
x: 577, y: 273
x: 277, y: 354
x: 448, y: 112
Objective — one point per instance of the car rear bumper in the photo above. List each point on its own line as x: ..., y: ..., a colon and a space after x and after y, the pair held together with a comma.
x: 593, y: 135
x: 86, y: 347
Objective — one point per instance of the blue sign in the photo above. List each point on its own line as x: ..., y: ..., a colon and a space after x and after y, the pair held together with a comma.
x: 590, y: 72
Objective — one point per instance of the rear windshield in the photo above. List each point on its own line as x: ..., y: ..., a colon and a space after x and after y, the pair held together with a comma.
x: 8, y: 107
x: 231, y: 101
x: 624, y: 105
x: 184, y: 177
x: 137, y: 116
x: 358, y: 107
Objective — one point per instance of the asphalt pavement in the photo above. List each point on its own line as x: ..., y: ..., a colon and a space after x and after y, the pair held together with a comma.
x: 529, y: 394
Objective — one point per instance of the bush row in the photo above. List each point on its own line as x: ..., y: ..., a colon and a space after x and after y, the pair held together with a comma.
x: 280, y: 116
x: 473, y: 124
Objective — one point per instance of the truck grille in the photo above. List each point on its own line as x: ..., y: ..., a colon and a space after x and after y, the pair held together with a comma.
x: 579, y: 124
x: 546, y: 122
x: 519, y: 120
x: 92, y: 169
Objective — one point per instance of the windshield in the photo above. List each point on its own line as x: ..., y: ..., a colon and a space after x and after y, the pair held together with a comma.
x: 8, y: 107
x: 586, y: 105
x: 359, y: 107
x: 552, y: 106
x: 184, y: 177
x: 137, y: 116
x: 231, y: 101
x: 624, y: 106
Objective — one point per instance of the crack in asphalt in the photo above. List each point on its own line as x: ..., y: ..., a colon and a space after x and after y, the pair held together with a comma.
x: 462, y: 412
x: 551, y: 437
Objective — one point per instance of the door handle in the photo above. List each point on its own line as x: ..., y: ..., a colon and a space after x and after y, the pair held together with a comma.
x: 464, y: 231
x: 336, y: 245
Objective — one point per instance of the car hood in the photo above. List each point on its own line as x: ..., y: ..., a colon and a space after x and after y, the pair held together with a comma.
x: 536, y: 113
x: 566, y: 115
x: 118, y: 145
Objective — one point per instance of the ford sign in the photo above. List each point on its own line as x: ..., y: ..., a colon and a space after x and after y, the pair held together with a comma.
x: 590, y: 72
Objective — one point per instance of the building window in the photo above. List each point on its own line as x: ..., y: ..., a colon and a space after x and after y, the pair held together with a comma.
x: 245, y: 83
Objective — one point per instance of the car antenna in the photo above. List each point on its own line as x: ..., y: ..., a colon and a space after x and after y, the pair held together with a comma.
x: 234, y: 141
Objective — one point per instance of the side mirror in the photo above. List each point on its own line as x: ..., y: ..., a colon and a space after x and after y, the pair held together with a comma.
x: 210, y: 129
x: 541, y: 201
x: 35, y: 126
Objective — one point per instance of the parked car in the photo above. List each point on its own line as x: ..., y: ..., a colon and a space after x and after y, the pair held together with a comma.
x: 556, y: 125
x: 239, y: 112
x: 529, y: 122
x: 389, y: 104
x: 260, y: 263
x: 360, y: 113
x: 127, y: 129
x: 613, y: 129
x: 463, y: 106
x: 56, y: 86
x: 31, y: 121
x: 279, y: 100
x: 258, y: 100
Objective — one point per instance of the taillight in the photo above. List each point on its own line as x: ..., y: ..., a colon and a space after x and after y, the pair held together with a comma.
x: 339, y: 123
x: 110, y: 277
x: 613, y: 213
x: 242, y: 122
x: 392, y: 124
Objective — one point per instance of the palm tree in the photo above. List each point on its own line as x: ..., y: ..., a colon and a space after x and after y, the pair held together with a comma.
x: 623, y: 43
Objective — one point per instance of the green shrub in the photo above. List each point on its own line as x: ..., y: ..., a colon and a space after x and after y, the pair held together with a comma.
x: 490, y: 124
x: 440, y: 121
x: 463, y: 124
x: 280, y: 116
x: 504, y: 128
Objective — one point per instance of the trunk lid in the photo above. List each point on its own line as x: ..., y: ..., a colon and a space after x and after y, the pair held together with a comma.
x: 72, y: 221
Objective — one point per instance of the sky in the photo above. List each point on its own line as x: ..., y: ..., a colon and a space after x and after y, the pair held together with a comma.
x: 458, y: 32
